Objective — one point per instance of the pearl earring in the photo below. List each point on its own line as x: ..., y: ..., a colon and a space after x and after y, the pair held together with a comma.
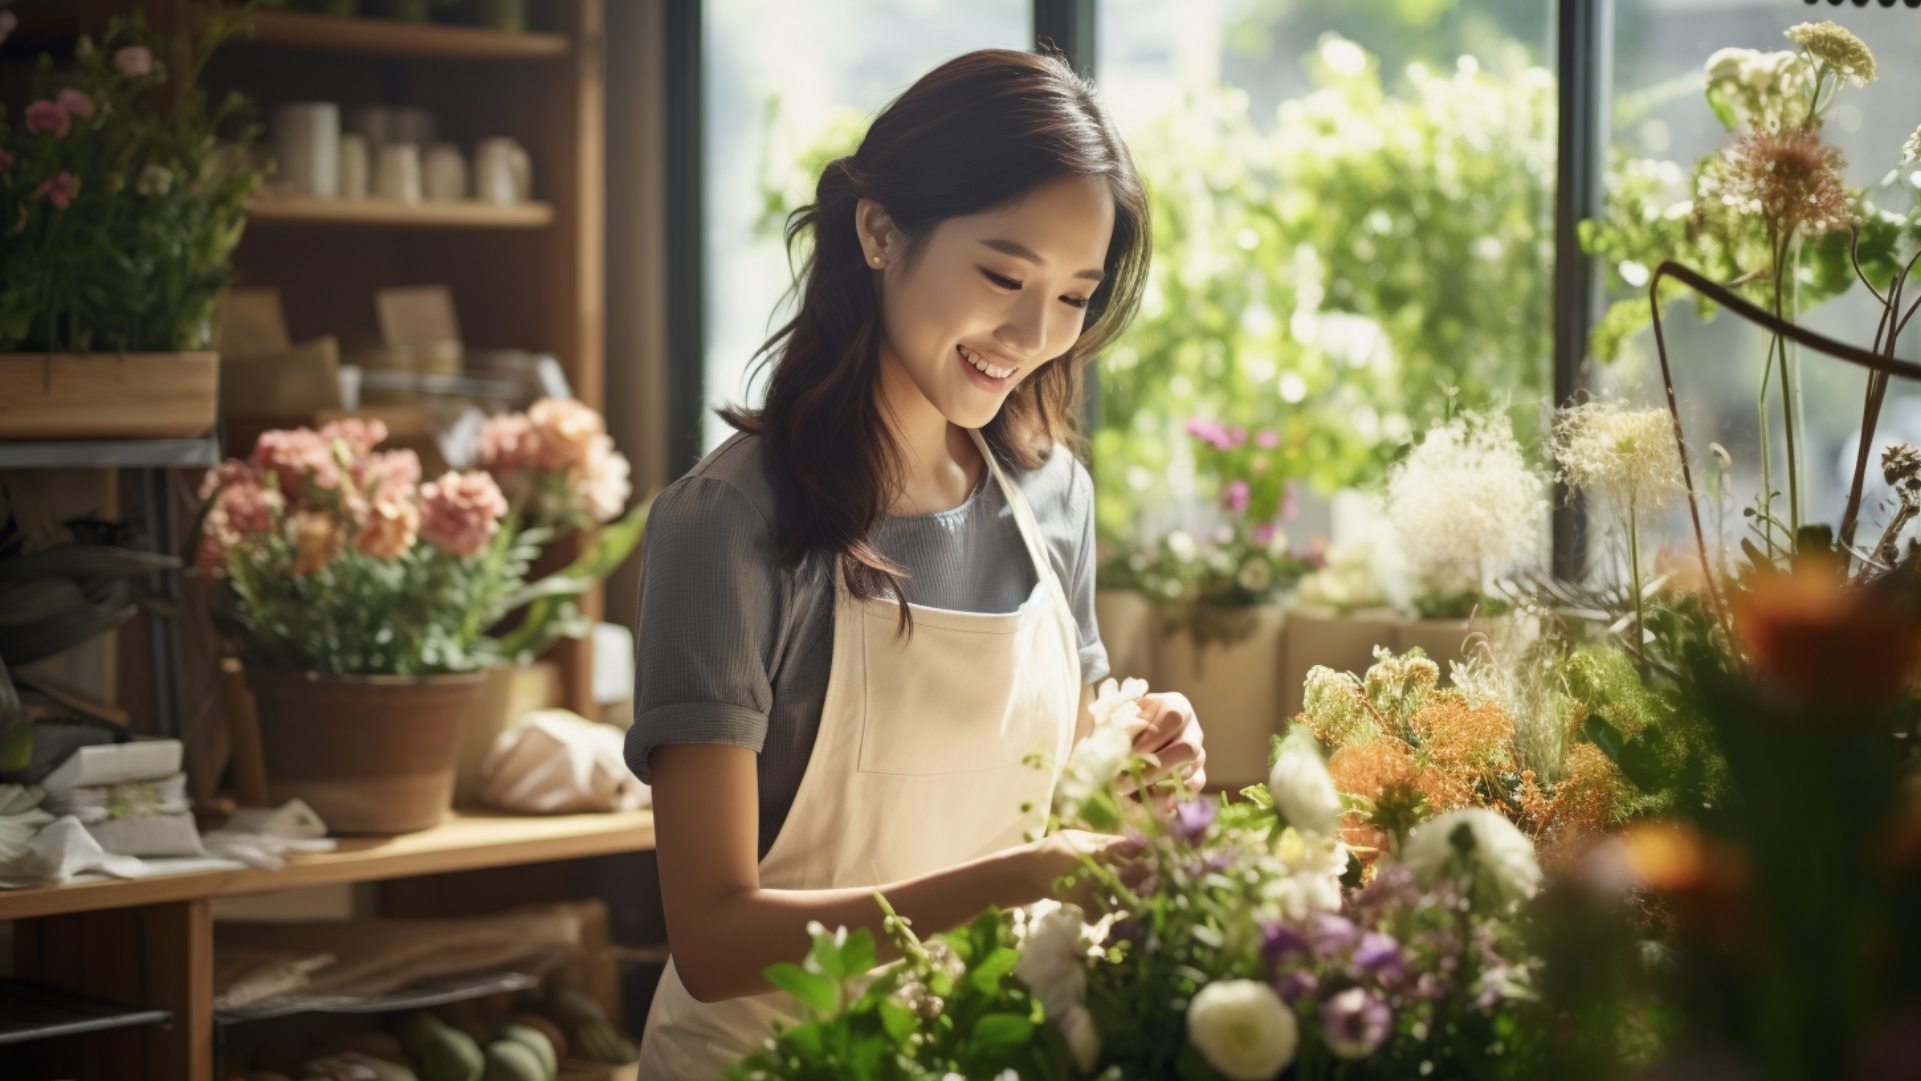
x: 877, y: 260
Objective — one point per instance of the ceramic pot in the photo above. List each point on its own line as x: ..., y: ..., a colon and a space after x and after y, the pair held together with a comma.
x: 370, y: 754
x: 1127, y: 625
x: 1235, y: 688
x: 1343, y: 641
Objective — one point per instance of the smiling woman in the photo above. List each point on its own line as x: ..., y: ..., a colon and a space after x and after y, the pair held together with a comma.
x: 867, y: 617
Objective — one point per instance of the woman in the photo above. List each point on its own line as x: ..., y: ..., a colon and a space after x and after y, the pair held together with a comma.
x: 866, y: 620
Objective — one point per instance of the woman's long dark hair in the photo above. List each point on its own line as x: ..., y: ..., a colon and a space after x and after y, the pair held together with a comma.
x: 973, y: 134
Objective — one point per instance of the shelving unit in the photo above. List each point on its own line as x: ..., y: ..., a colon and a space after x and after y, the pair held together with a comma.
x: 463, y: 214
x: 32, y: 1011
x: 387, y: 37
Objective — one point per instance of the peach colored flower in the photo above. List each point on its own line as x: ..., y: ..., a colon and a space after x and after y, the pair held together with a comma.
x: 242, y: 508
x: 360, y: 436
x: 390, y: 475
x: 48, y: 118
x: 318, y: 539
x: 133, y: 61
x: 566, y: 430
x: 508, y: 444
x: 460, y: 512
x: 295, y: 457
x: 389, y: 530
x: 601, y: 481
x: 75, y: 103
x: 230, y: 472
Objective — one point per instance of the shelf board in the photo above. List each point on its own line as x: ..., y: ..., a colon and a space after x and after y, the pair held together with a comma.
x: 468, y: 840
x: 107, y: 453
x: 391, y: 37
x: 33, y: 1011
x: 461, y: 214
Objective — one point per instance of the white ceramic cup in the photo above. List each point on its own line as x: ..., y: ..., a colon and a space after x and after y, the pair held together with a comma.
x: 446, y: 172
x: 356, y: 170
x: 503, y: 174
x: 376, y: 123
x: 398, y: 173
x: 306, y: 139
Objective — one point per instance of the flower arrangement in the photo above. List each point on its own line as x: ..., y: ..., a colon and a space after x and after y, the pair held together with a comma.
x: 1467, y: 508
x: 118, y: 205
x: 320, y: 539
x: 1245, y: 561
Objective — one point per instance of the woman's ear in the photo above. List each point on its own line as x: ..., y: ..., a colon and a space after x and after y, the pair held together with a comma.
x: 880, y: 241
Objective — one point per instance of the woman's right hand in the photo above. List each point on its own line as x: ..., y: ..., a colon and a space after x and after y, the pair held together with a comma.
x: 1060, y: 854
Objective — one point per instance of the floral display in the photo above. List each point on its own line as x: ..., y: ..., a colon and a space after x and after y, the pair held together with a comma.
x: 119, y: 211
x: 318, y: 537
x: 1468, y: 509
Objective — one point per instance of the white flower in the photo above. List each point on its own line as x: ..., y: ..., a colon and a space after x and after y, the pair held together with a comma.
x: 1053, y: 961
x: 1302, y: 876
x: 1119, y: 702
x: 1243, y: 1030
x: 1302, y: 790
x: 1083, y: 1039
x: 1094, y: 764
x: 1466, y: 505
x: 1480, y: 844
x: 1911, y: 150
x: 155, y: 179
x: 1765, y: 89
x: 1628, y: 455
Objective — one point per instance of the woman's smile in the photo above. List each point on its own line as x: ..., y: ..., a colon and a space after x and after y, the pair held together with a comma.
x: 986, y: 374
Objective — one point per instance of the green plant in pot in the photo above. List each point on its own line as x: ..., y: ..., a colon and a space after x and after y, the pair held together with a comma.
x: 366, y: 601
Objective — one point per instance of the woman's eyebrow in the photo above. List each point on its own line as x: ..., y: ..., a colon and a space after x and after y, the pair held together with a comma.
x: 1022, y: 251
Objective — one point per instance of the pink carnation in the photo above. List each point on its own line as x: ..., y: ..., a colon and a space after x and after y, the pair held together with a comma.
x: 508, y: 444
x: 601, y: 482
x: 566, y: 430
x: 296, y: 457
x: 1267, y: 440
x: 74, y: 102
x: 388, y: 475
x: 59, y: 189
x: 241, y: 509
x: 460, y: 512
x: 48, y: 118
x: 390, y: 528
x: 227, y: 474
x: 1235, y: 496
x: 360, y: 436
x: 133, y: 61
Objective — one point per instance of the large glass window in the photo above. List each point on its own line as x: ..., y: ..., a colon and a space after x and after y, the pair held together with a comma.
x: 1354, y: 235
x: 1662, y: 125
x: 786, y: 82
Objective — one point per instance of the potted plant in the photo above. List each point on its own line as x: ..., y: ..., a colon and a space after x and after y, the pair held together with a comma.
x: 1468, y: 509
x: 365, y: 601
x: 1216, y: 601
x: 120, y: 209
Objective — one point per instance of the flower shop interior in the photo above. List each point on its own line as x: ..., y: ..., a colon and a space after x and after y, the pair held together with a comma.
x: 1510, y: 465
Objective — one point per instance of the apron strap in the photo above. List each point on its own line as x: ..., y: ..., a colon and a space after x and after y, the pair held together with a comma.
x: 1030, y: 529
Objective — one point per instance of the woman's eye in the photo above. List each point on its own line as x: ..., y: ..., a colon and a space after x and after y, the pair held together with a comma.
x: 1001, y: 280
x: 1075, y: 302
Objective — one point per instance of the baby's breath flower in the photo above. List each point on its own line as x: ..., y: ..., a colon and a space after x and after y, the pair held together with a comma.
x: 1627, y: 455
x: 1837, y: 48
x: 1466, y: 505
x: 1911, y: 150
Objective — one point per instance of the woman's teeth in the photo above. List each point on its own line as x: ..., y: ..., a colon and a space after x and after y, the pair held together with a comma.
x: 982, y: 366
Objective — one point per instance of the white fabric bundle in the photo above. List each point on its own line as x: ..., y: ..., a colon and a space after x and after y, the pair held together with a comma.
x: 558, y: 762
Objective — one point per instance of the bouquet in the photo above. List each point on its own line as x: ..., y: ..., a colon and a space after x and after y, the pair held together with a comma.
x: 118, y: 206
x: 320, y: 539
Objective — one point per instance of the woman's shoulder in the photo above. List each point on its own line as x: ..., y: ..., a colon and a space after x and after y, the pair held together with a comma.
x: 729, y: 488
x: 1059, y: 488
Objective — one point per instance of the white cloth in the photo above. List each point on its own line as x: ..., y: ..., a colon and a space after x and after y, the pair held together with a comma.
x: 262, y: 836
x: 923, y: 761
x: 558, y: 762
x: 65, y: 851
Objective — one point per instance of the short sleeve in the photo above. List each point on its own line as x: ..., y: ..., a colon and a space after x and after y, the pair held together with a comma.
x: 710, y: 596
x: 1080, y: 577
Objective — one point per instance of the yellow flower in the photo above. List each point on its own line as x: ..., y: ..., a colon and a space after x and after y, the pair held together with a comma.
x: 1837, y: 48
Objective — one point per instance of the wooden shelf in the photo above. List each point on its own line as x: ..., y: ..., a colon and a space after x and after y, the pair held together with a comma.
x: 389, y: 37
x: 467, y: 841
x: 464, y: 214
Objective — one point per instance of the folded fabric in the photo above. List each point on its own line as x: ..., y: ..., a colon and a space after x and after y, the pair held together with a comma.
x: 262, y: 836
x: 151, y: 835
x: 20, y: 818
x: 124, y: 800
x: 557, y: 762
x: 62, y: 851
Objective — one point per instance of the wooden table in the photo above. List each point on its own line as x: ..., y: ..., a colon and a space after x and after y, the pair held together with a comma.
x: 149, y: 942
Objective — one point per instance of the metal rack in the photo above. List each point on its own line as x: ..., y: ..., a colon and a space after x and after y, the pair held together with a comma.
x: 32, y: 1011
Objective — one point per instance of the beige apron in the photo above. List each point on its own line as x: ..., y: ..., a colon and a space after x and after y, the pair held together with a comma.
x: 917, y: 767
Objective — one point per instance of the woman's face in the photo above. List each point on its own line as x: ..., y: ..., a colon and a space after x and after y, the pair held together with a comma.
x: 992, y: 297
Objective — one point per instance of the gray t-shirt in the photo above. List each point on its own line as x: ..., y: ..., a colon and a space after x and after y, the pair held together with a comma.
x: 732, y: 648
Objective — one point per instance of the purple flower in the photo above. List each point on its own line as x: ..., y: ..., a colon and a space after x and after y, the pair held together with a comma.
x: 74, y: 102
x: 1267, y: 440
x: 1235, y: 496
x: 1355, y: 1022
x: 1295, y: 984
x: 1279, y: 942
x: 133, y: 61
x: 1192, y: 818
x: 1331, y: 934
x: 1380, y: 954
x: 1125, y: 929
x: 48, y: 118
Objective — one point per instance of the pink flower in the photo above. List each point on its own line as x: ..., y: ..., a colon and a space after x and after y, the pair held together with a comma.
x: 1235, y: 496
x: 360, y: 436
x: 318, y: 539
x: 508, y: 444
x: 601, y: 481
x: 6, y: 159
x: 390, y: 528
x: 460, y: 512
x: 1289, y: 508
x: 1264, y: 534
x: 59, y: 189
x: 74, y: 102
x: 296, y: 457
x: 48, y: 118
x: 133, y: 61
x: 227, y: 474
x: 390, y: 475
x: 1267, y: 440
x: 8, y: 20
x: 565, y: 428
x: 241, y: 509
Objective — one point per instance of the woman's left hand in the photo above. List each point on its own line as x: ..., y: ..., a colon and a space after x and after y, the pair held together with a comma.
x: 1172, y: 740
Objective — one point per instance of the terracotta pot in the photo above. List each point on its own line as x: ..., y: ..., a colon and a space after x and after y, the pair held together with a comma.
x: 510, y: 692
x: 1128, y: 630
x: 1236, y: 690
x: 370, y: 754
x: 1442, y: 639
x: 1343, y: 641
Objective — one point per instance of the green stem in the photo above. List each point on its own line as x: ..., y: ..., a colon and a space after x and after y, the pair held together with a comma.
x: 1634, y: 576
x: 1790, y: 378
x: 1767, y: 455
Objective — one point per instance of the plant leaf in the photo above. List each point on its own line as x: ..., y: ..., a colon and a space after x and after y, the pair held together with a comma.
x: 816, y: 992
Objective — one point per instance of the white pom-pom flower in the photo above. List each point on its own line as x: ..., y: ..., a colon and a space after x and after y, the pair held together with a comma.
x: 1479, y: 844
x: 1243, y: 1030
x: 1302, y: 790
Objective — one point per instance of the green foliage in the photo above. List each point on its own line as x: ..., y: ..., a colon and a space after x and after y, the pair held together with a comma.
x: 553, y: 611
x: 1661, y: 744
x: 155, y: 202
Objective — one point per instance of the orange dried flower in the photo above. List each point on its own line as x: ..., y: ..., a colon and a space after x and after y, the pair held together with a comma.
x: 1476, y: 741
x: 1790, y: 177
x: 1366, y: 769
x: 1583, y: 803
